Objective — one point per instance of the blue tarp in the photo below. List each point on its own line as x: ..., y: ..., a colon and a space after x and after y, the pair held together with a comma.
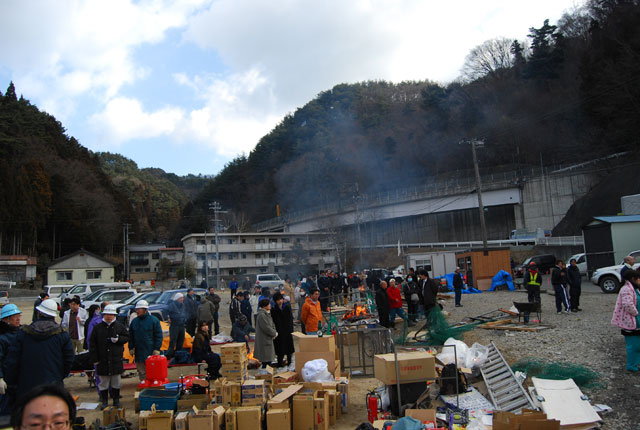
x: 466, y: 289
x: 502, y: 278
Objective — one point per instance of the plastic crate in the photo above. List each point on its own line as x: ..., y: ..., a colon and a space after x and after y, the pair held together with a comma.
x: 165, y: 400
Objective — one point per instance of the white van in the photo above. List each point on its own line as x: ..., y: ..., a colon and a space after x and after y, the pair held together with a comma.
x: 83, y: 290
x: 54, y: 291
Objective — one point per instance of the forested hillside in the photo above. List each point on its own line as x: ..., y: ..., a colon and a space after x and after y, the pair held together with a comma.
x: 55, y: 198
x: 570, y: 93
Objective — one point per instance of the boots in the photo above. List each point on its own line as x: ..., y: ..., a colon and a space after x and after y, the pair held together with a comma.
x: 115, y: 394
x: 104, y: 399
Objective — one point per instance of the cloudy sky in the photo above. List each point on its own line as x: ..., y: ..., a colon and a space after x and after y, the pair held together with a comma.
x: 186, y: 85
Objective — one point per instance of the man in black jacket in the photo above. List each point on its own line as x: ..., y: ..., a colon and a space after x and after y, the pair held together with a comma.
x: 234, y: 307
x: 429, y: 291
x: 457, y: 286
x: 191, y: 309
x: 559, y: 281
x: 574, y: 278
x: 106, y: 347
x: 412, y: 296
x: 382, y: 304
x: 42, y: 352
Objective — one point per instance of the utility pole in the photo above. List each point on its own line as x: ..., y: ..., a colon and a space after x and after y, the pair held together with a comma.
x: 125, y: 253
x: 483, y: 225
x: 216, y: 208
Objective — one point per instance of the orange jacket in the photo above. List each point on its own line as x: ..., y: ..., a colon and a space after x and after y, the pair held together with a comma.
x: 311, y: 314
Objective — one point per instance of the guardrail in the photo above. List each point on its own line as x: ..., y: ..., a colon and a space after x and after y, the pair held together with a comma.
x: 545, y: 241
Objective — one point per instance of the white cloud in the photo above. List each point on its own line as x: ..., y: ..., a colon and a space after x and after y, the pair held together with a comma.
x: 235, y: 113
x: 58, y: 51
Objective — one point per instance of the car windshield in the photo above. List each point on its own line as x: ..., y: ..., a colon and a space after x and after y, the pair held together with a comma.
x: 76, y: 289
x: 150, y: 297
x: 166, y: 296
x: 93, y: 295
x: 133, y: 299
x: 527, y: 261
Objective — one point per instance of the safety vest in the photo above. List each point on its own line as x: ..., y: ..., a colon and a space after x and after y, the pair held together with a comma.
x: 533, y: 279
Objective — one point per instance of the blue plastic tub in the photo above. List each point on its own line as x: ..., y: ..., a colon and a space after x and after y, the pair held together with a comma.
x: 165, y: 400
x: 172, y: 386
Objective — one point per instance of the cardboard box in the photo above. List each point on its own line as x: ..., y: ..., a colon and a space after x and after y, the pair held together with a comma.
x: 284, y: 377
x: 333, y: 406
x: 282, y: 399
x: 142, y: 419
x: 160, y: 420
x: 303, y: 412
x: 266, y: 374
x: 190, y: 400
x: 249, y: 418
x: 201, y: 420
x: 181, y: 420
x: 412, y: 366
x: 112, y: 414
x: 279, y: 419
x: 218, y: 417
x: 321, y: 410
x: 528, y: 420
x: 303, y: 357
x: 316, y: 344
x: 233, y: 348
x: 421, y: 415
x: 230, y: 419
x: 232, y: 394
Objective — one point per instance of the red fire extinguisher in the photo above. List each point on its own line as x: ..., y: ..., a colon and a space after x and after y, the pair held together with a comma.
x: 373, y: 402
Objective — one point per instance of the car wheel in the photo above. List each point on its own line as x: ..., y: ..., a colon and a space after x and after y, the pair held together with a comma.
x: 609, y: 284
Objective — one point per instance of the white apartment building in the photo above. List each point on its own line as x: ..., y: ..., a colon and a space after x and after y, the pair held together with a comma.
x: 253, y: 253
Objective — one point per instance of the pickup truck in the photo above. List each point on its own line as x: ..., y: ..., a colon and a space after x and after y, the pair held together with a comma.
x: 609, y: 279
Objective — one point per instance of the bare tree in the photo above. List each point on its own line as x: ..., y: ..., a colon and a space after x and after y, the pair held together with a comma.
x: 490, y: 56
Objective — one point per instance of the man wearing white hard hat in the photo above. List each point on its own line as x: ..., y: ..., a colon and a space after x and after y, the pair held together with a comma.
x: 9, y: 326
x: 42, y: 352
x: 145, y: 337
x: 177, y: 318
x: 106, y: 347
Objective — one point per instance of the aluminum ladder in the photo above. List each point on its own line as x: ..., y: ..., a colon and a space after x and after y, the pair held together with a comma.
x: 507, y: 394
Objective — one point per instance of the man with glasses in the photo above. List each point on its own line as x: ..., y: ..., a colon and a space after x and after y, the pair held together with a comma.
x: 46, y: 407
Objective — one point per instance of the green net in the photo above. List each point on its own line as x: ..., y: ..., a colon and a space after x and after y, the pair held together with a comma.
x: 583, y: 376
x: 438, y: 329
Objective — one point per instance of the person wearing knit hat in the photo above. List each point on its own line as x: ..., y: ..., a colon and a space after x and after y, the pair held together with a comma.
x: 177, y: 319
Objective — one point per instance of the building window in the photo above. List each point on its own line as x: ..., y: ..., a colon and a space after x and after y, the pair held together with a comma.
x: 263, y: 270
x: 277, y: 270
x: 286, y: 240
x: 213, y: 241
x: 200, y: 242
x: 230, y: 256
x: 155, y: 256
x: 200, y: 257
x: 244, y: 240
x: 298, y: 240
x: 259, y: 240
x: 230, y: 241
x: 244, y: 255
x: 64, y: 276
x: 94, y: 274
x: 272, y: 255
x: 273, y: 240
x: 284, y: 254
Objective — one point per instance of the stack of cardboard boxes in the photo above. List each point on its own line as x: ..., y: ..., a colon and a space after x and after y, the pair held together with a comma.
x: 234, y: 362
x: 240, y: 403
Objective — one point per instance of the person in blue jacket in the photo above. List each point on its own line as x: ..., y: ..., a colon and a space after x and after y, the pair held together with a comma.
x: 145, y: 337
x: 9, y: 326
x: 177, y: 318
x: 41, y: 354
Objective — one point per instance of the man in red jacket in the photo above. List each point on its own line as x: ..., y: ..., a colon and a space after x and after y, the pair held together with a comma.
x: 395, y: 302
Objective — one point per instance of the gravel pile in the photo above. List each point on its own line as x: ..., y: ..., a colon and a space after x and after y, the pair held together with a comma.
x: 586, y: 338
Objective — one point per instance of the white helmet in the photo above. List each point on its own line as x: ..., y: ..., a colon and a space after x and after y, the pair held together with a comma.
x: 48, y: 307
x: 142, y: 304
x: 110, y: 310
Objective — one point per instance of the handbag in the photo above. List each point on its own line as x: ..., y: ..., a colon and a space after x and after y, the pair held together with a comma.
x: 415, y: 298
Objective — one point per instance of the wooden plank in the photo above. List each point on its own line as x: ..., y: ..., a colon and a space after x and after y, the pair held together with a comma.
x: 516, y: 327
x: 498, y: 322
x: 507, y: 311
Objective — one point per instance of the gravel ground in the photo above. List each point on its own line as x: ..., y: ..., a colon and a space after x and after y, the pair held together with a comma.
x: 586, y: 338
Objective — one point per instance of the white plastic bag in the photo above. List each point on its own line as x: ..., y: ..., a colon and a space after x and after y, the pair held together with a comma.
x: 477, y: 356
x: 461, y: 351
x: 316, y: 371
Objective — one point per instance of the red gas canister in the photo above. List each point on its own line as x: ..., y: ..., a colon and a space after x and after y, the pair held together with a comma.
x: 157, y: 367
x: 373, y: 400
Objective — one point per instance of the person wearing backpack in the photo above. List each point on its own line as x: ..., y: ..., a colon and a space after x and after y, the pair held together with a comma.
x: 411, y: 295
